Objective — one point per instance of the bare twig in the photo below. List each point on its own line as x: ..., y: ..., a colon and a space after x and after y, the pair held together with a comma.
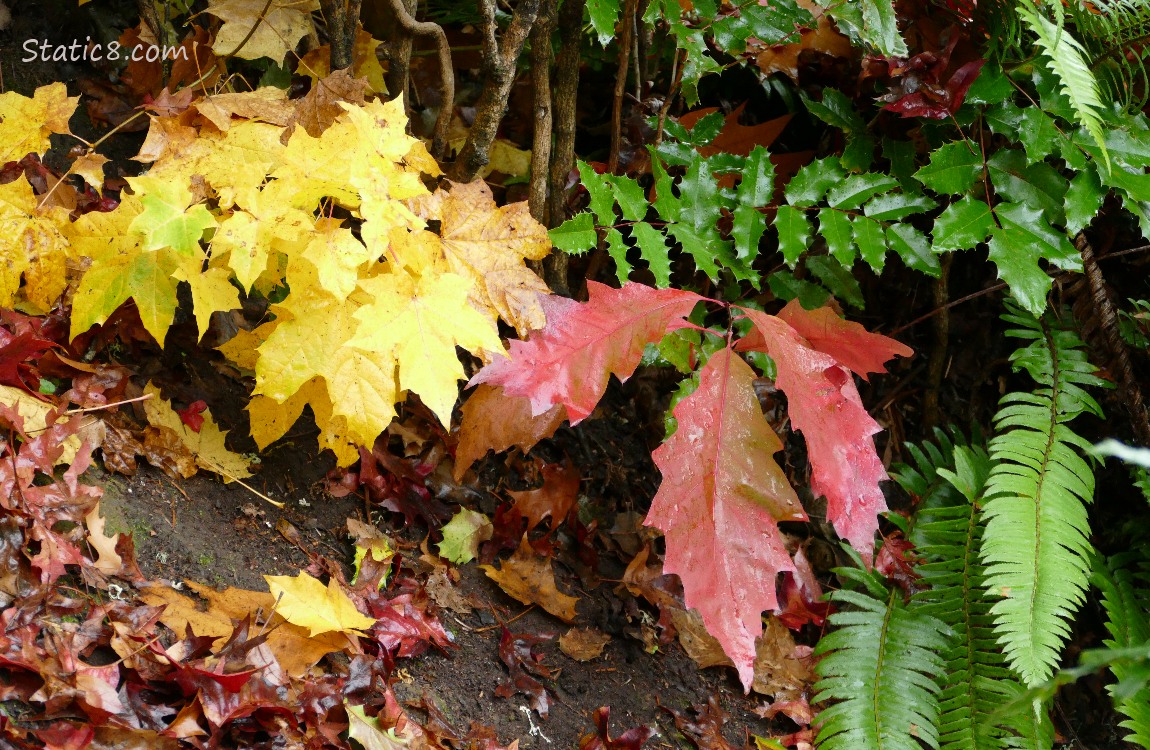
x: 1108, y: 320
x: 446, y: 72
x: 934, y: 372
x: 541, y: 80
x: 399, y: 48
x: 499, y: 60
x: 624, y: 43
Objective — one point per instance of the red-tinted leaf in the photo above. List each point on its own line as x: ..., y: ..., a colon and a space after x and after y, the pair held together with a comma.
x: 17, y: 351
x: 516, y: 652
x: 802, y: 596
x: 896, y: 560
x: 721, y: 495
x: 404, y: 628
x: 852, y: 345
x: 570, y: 360
x: 632, y: 739
x: 736, y: 138
x: 824, y: 405
x: 192, y: 415
x: 554, y: 499
x: 705, y: 728
x: 493, y: 420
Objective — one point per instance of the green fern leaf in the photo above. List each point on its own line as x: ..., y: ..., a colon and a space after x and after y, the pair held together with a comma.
x: 881, y: 665
x: 1035, y: 546
x: 1127, y: 601
x: 947, y: 533
x: 1067, y: 59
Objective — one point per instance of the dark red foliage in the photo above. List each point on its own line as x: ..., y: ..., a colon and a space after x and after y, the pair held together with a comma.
x: 517, y: 650
x: 632, y: 739
x: 920, y: 86
x: 896, y: 561
x: 800, y: 596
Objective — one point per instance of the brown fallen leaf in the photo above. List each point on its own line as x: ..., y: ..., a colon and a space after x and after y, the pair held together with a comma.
x: 492, y: 420
x: 529, y: 578
x: 825, y: 38
x: 583, y: 644
x: 736, y: 138
x: 783, y: 670
x: 316, y: 110
x: 290, y: 644
x: 555, y: 498
x: 107, y: 561
x: 445, y: 594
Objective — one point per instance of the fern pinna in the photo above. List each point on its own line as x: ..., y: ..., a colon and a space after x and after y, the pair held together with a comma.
x: 1035, y: 547
x: 1124, y: 581
x: 881, y: 664
x: 948, y: 478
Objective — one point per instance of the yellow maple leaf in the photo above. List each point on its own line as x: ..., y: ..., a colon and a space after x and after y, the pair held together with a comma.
x: 212, y: 292
x: 420, y: 323
x: 487, y: 244
x: 266, y: 104
x: 207, y: 445
x: 306, y: 602
x: 278, y: 27
x: 35, y: 415
x: 32, y: 246
x: 26, y: 123
x: 303, y: 343
x: 364, y: 63
x: 330, y: 259
x: 230, y: 162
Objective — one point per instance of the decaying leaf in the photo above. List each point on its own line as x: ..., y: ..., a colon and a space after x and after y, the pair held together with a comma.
x: 108, y: 560
x: 555, y: 499
x: 206, y: 446
x: 529, y: 578
x: 583, y: 644
x: 493, y: 420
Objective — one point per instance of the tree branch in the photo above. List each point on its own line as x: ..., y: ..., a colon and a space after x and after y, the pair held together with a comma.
x: 541, y: 134
x: 500, y: 58
x: 446, y: 72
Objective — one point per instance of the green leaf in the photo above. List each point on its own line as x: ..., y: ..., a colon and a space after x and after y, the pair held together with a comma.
x: 812, y: 182
x: 835, y: 228
x: 630, y: 197
x: 755, y: 189
x: 666, y: 204
x: 837, y: 278
x: 1069, y: 62
x: 1083, y: 199
x: 1016, y: 247
x: 1037, y: 185
x: 836, y: 110
x: 771, y: 25
x: 991, y: 87
x: 794, y: 233
x: 1037, y: 133
x: 169, y: 219
x: 857, y: 189
x: 962, y: 225
x: 953, y: 168
x: 901, y: 155
x: 602, y: 196
x: 462, y: 535
x: 913, y: 247
x: 617, y: 249
x: 894, y: 206
x: 786, y: 287
x: 576, y: 235
x: 604, y: 14
x: 653, y: 247
x: 871, y: 241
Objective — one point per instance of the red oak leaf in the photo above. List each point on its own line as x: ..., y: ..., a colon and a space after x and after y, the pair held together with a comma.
x: 718, y: 504
x: 802, y: 596
x: 570, y: 360
x: 852, y: 345
x: 824, y: 405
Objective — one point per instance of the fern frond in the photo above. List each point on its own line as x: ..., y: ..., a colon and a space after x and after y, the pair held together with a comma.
x: 948, y: 531
x: 1115, y: 34
x: 1126, y: 600
x: 1067, y: 60
x: 1035, y: 547
x: 881, y: 665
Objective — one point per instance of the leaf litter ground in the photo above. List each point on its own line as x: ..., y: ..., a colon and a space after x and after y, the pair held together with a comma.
x: 220, y: 535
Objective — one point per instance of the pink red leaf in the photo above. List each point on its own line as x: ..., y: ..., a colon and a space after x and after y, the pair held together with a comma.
x: 570, y: 360
x: 192, y: 415
x: 721, y: 496
x: 852, y: 345
x: 824, y: 405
